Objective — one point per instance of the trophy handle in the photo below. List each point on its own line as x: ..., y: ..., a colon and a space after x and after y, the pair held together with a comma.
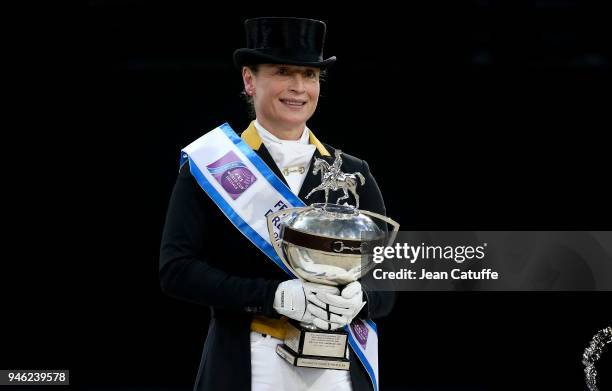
x: 387, y: 220
x: 276, y: 243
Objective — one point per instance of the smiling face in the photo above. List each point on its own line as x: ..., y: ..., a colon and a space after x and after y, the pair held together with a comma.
x: 285, y: 96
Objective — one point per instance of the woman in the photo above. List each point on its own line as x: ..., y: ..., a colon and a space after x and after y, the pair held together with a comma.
x: 207, y: 261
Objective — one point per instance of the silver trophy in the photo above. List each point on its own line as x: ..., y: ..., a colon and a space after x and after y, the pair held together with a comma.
x: 327, y: 244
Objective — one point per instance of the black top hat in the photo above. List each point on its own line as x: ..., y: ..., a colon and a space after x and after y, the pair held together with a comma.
x: 293, y: 41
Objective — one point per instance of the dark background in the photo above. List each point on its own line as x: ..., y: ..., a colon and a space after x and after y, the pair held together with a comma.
x: 479, y: 115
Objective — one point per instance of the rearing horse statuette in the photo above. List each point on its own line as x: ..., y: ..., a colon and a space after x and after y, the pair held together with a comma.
x: 334, y: 179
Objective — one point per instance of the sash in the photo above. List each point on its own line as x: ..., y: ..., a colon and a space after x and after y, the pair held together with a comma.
x: 245, y: 189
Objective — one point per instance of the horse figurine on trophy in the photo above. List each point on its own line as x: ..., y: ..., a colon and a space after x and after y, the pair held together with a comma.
x: 334, y: 179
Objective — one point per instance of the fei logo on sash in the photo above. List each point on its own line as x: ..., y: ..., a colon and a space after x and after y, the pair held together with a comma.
x: 232, y: 174
x: 361, y: 332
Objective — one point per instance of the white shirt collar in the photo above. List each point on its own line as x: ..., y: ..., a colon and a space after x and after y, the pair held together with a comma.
x: 266, y: 135
x: 291, y: 156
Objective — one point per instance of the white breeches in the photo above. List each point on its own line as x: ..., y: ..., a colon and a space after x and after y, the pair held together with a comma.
x: 270, y: 372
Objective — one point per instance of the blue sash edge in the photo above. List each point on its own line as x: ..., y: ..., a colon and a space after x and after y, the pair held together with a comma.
x: 362, y: 358
x: 238, y: 222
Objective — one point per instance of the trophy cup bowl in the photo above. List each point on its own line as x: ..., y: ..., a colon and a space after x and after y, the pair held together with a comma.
x: 324, y: 243
x: 327, y: 244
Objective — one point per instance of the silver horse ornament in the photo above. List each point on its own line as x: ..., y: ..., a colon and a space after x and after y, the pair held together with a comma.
x: 334, y: 179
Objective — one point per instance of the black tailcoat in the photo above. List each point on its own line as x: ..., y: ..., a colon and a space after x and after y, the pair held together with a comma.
x: 205, y: 260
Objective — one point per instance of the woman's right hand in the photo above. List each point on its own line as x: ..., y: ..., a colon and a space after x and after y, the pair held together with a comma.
x: 293, y: 297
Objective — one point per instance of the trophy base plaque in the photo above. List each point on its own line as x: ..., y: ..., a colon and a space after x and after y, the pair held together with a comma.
x: 314, y: 348
x: 312, y: 361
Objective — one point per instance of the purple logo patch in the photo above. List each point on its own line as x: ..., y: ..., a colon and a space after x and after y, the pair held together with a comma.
x: 232, y: 174
x: 361, y: 332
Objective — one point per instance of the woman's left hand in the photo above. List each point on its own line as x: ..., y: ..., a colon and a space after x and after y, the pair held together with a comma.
x: 340, y: 309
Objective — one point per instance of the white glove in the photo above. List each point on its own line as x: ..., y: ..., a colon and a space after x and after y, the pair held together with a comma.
x: 338, y: 310
x: 292, y: 297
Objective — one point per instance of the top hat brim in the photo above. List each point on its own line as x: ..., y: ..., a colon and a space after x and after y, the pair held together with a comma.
x: 247, y: 56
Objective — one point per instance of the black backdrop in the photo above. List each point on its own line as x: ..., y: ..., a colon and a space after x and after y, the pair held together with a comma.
x: 476, y: 116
